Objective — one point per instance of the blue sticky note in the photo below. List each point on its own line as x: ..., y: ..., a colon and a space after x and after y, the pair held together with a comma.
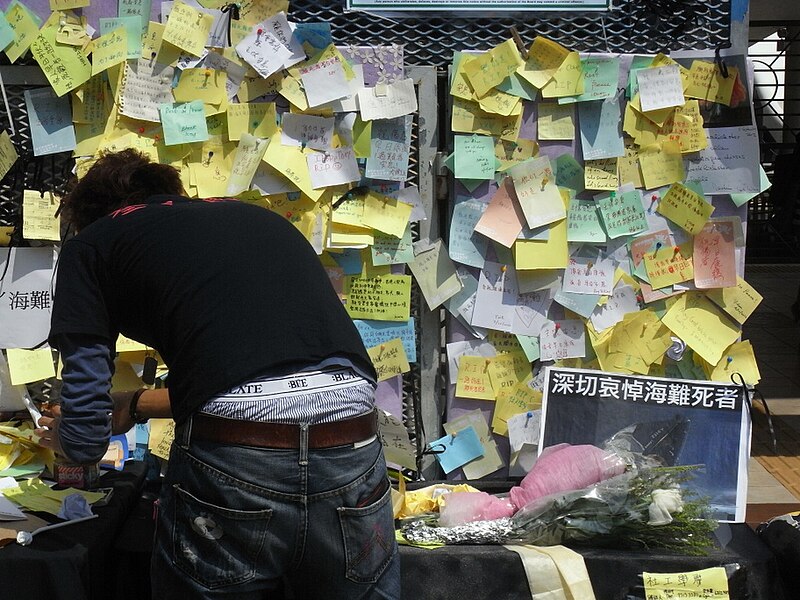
x: 374, y: 333
x: 601, y: 129
x: 467, y: 246
x: 184, y: 123
x: 581, y: 304
x: 350, y: 261
x: 133, y: 29
x: 453, y: 451
x: 50, y: 119
x: 316, y: 34
x: 7, y: 34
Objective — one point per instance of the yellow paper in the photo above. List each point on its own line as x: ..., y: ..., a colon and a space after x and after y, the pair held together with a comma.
x: 362, y: 138
x: 25, y: 31
x: 109, y: 50
x: 290, y: 88
x: 65, y: 67
x: 707, y: 83
x: 738, y: 358
x: 473, y: 378
x: 669, y: 265
x: 508, y: 370
x: 162, y: 433
x: 257, y: 118
x: 661, y: 165
x: 601, y: 174
x: 699, y: 323
x: 544, y: 58
x: 125, y: 344
x: 26, y: 366
x: 658, y: 117
x: 384, y: 298
x: 153, y: 48
x: 389, y: 359
x: 521, y: 398
x: 386, y: 214
x: 68, y: 4
x: 628, y: 167
x: 567, y: 80
x: 207, y: 85
x: 501, y: 103
x: 467, y: 117
x: 255, y: 86
x: 187, y: 28
x: 460, y: 86
x: 685, y: 127
x: 290, y: 161
x: 739, y: 302
x: 685, y: 207
x: 87, y: 138
x: 492, y: 68
x: 549, y: 254
x: 8, y: 153
x: 346, y: 236
x: 38, y: 216
x: 692, y: 585
x: 556, y: 121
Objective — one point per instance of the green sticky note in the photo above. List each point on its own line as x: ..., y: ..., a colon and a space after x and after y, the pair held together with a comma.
x: 569, y: 173
x: 600, y: 79
x: 518, y: 86
x: 7, y: 34
x: 583, y: 222
x: 637, y: 64
x: 133, y: 27
x: 623, y: 214
x: 184, y: 123
x: 763, y: 185
x: 530, y: 345
x: 474, y: 157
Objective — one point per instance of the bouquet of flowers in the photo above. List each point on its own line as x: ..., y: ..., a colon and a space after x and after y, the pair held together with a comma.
x: 644, y: 506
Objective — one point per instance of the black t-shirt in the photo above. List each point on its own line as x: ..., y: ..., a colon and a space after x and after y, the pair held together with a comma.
x: 225, y: 291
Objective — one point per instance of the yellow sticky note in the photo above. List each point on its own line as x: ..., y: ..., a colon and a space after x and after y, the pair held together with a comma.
x: 692, y: 585
x: 256, y: 86
x: 290, y: 161
x: 707, y: 83
x: 556, y: 121
x: 508, y: 370
x: 658, y: 117
x: 386, y: 214
x: 257, y: 119
x: 66, y: 67
x: 362, y: 138
x: 384, y: 298
x: 567, y: 80
x: 207, y: 85
x: 125, y: 344
x: 739, y: 302
x: 473, y: 378
x: 739, y: 358
x: 68, y: 4
x: 389, y: 359
x: 460, y: 86
x: 290, y: 88
x: 350, y: 212
x: 38, y: 216
x: 521, y: 398
x: 685, y: 127
x: 501, y: 103
x: 109, y: 50
x: 628, y: 167
x: 26, y: 366
x: 685, y: 207
x: 669, y: 265
x: 8, y: 153
x: 661, y: 165
x: 187, y: 28
x: 544, y: 58
x: 468, y: 117
x: 153, y: 48
x: 25, y: 31
x: 491, y: 68
x: 162, y: 433
x: 539, y: 254
x: 601, y: 174
x: 699, y: 323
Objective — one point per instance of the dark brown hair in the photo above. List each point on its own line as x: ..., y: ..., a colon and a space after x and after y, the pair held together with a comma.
x: 117, y: 179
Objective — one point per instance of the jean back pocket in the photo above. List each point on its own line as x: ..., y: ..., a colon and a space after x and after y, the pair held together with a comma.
x: 214, y: 545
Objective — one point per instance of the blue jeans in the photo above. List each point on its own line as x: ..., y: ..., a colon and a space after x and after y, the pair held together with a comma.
x: 245, y: 523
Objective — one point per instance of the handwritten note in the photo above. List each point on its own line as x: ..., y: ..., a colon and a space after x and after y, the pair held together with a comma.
x: 374, y: 333
x: 50, y: 120
x: 691, y: 585
x: 660, y: 87
x: 503, y: 219
x: 385, y: 214
x: 567, y: 80
x: 601, y: 129
x: 730, y: 162
x: 109, y: 50
x: 25, y: 30
x: 146, y: 85
x: 435, y: 272
x: 669, y: 265
x: 263, y: 51
x: 188, y: 28
x: 555, y: 121
x: 389, y: 101
x: 26, y: 366
x: 389, y: 359
x: 184, y: 123
x: 623, y: 213
x: 8, y: 154
x: 583, y: 222
x: 662, y: 164
x: 591, y: 274
x: 467, y: 245
x: 699, y: 323
x: 334, y: 167
x: 66, y: 67
x: 391, y: 250
x: 306, y: 130
x: 324, y: 81
x: 38, y: 216
x: 706, y: 82
x: 685, y: 207
x: 715, y: 256
x: 537, y: 191
x: 473, y: 378
x: 390, y: 142
x: 491, y: 68
x: 133, y: 33
x: 600, y: 79
x: 474, y: 157
x: 245, y: 163
x: 562, y: 339
x: 739, y: 301
x: 383, y: 298
x: 544, y: 58
x: 496, y: 298
x: 601, y: 174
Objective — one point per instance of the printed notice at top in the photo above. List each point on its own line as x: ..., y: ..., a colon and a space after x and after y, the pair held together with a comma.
x: 477, y: 5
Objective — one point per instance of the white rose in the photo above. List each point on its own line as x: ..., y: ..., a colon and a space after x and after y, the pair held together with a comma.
x: 665, y: 503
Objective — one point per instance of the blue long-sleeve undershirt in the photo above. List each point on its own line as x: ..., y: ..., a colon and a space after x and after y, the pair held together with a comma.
x: 86, y: 403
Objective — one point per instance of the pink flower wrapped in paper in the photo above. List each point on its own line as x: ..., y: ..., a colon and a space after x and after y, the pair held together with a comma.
x: 467, y: 507
x: 563, y: 468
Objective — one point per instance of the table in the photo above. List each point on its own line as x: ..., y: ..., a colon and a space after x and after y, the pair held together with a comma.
x: 491, y: 572
x: 74, y: 562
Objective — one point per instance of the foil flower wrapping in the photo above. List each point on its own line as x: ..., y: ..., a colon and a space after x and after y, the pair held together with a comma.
x: 496, y: 531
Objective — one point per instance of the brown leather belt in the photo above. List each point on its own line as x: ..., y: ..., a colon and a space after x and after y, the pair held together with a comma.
x: 283, y: 435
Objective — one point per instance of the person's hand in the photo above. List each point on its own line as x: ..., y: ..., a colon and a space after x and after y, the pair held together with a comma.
x: 121, y: 420
x: 47, y: 431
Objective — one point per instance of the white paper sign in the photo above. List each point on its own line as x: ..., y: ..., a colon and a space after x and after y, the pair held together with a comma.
x: 730, y: 162
x: 523, y: 428
x: 145, y: 86
x: 388, y: 101
x: 25, y: 298
x: 562, y: 339
x: 309, y: 130
x: 589, y: 275
x: 397, y: 446
x: 324, y: 81
x: 660, y: 87
x: 263, y: 51
x: 497, y: 298
x: 621, y: 302
x: 531, y: 312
